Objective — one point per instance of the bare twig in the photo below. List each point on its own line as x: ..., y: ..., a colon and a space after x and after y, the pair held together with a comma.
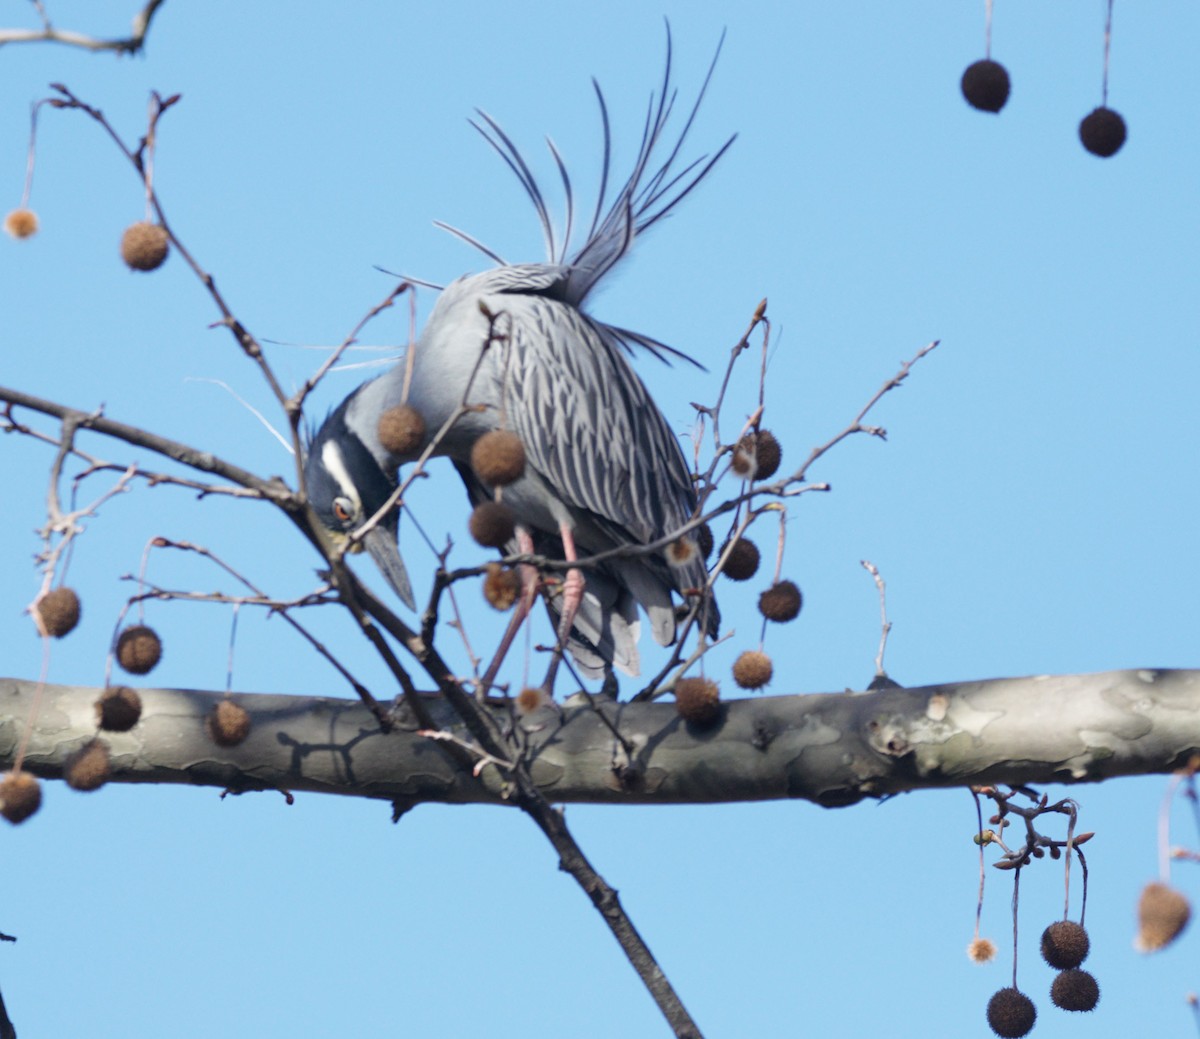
x: 130, y: 44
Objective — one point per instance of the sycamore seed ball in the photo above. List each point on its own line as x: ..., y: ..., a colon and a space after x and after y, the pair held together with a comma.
x: 58, y: 611
x: 768, y: 453
x: 1162, y: 914
x: 21, y: 223
x: 1011, y: 1013
x: 531, y: 699
x: 752, y: 670
x: 89, y: 768
x: 1075, y: 989
x: 118, y: 709
x: 1065, y: 944
x: 144, y: 246
x: 1102, y: 132
x: 20, y: 796
x: 501, y: 586
x: 498, y: 457
x: 985, y: 85
x: 698, y: 700
x: 704, y: 539
x: 139, y: 649
x: 742, y: 562
x: 781, y: 602
x: 401, y: 430
x: 982, y: 950
x: 228, y: 723
x: 492, y: 524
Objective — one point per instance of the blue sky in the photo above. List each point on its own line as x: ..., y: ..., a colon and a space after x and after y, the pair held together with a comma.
x: 1032, y: 511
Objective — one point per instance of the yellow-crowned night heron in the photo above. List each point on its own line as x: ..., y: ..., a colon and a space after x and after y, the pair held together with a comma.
x: 604, y: 469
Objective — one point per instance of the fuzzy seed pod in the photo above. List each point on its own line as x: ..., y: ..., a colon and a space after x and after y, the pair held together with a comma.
x: 781, y: 602
x: 1162, y: 913
x: 752, y: 670
x: 1102, y: 132
x: 20, y: 796
x: 118, y: 709
x: 1011, y: 1013
x: 498, y: 458
x: 1065, y: 944
x: 682, y: 551
x: 401, y: 430
x: 982, y: 950
x: 698, y: 700
x: 704, y: 539
x: 21, y: 223
x: 743, y: 560
x: 742, y: 461
x: 501, y: 586
x: 492, y: 524
x: 768, y: 454
x: 89, y: 768
x: 58, y: 611
x: 531, y: 699
x: 985, y: 85
x: 1075, y: 989
x: 144, y: 246
x: 139, y: 649
x: 228, y: 723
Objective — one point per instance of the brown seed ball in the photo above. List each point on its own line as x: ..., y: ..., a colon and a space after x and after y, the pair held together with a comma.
x: 228, y: 723
x: 118, y: 709
x: 698, y: 700
x: 139, y: 649
x: 492, y: 524
x: 501, y: 586
x: 531, y: 699
x: 401, y: 430
x: 682, y: 551
x: 20, y: 796
x: 752, y: 670
x: 89, y: 768
x: 985, y: 85
x: 1065, y: 944
x: 1102, y: 132
x: 58, y: 611
x: 742, y: 562
x: 982, y: 950
x: 498, y: 458
x: 1162, y: 914
x: 21, y: 223
x: 1011, y: 1013
x: 1075, y: 989
x: 742, y: 461
x: 704, y: 539
x: 781, y: 602
x: 769, y: 454
x: 144, y: 246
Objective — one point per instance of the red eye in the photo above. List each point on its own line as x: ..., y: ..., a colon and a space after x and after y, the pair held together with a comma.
x: 340, y: 511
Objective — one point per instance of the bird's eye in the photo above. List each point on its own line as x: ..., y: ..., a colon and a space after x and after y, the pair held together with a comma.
x: 343, y: 510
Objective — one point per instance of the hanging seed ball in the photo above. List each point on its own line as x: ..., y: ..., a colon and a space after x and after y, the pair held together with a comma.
x: 742, y: 461
x: 492, y: 524
x: 144, y: 246
x: 531, y: 699
x: 781, y: 602
x: 139, y: 649
x: 1065, y: 944
x: 753, y: 669
x: 698, y: 700
x: 20, y: 796
x: 118, y: 709
x: 498, y: 458
x: 1102, y: 132
x: 501, y: 586
x: 1011, y: 1013
x: 704, y: 539
x: 682, y: 551
x: 58, y: 610
x: 769, y: 454
x: 21, y: 223
x: 1075, y: 989
x: 228, y: 723
x: 981, y: 950
x: 401, y: 430
x: 743, y: 560
x: 985, y: 85
x: 89, y: 768
x: 1162, y: 913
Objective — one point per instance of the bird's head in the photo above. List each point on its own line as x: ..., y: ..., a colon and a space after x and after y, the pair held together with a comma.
x: 346, y: 486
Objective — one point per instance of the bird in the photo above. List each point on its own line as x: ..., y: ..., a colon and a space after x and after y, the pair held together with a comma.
x: 604, y: 470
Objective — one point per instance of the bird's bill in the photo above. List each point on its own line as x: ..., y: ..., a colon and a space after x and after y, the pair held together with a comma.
x: 380, y: 543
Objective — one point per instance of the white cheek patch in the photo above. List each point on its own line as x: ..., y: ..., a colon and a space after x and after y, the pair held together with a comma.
x: 335, y: 465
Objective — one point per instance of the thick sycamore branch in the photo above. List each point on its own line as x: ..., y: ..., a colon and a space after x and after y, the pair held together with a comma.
x: 833, y: 749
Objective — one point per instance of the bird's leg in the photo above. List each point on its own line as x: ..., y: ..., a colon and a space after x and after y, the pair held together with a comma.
x: 572, y: 596
x: 529, y: 583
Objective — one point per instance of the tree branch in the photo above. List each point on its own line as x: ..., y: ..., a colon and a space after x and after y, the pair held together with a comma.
x: 130, y: 44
